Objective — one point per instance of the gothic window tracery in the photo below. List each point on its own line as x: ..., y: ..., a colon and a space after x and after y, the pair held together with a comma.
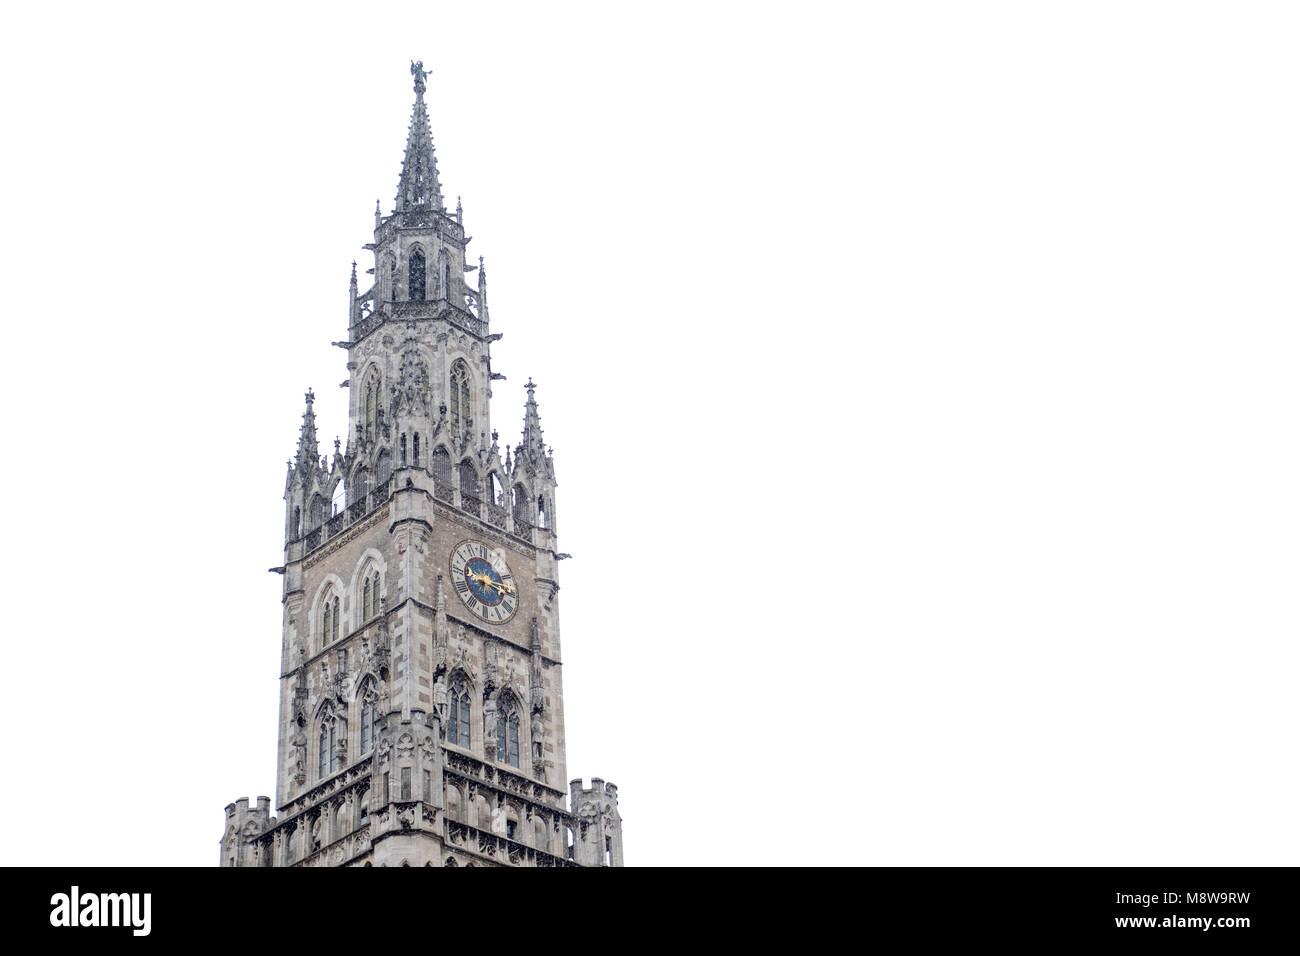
x: 330, y: 619
x: 458, y: 715
x: 459, y: 405
x: 327, y: 756
x: 440, y: 462
x: 369, y: 593
x: 508, y: 731
x: 369, y: 716
x: 468, y: 484
x: 442, y: 278
x: 371, y: 404
x: 415, y: 277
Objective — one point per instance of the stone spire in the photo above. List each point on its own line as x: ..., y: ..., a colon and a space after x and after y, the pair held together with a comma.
x: 308, y: 452
x: 419, y: 185
x: 482, y: 292
x: 532, y: 441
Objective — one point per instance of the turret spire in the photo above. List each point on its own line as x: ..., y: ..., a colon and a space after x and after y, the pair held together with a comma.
x: 532, y: 442
x: 308, y: 453
x: 419, y: 185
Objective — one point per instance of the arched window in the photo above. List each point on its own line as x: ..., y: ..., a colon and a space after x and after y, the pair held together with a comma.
x: 541, y: 511
x: 403, y: 446
x: 358, y: 486
x: 494, y: 490
x: 415, y: 277
x: 383, y: 467
x: 369, y: 716
x: 371, y: 405
x: 458, y: 406
x: 519, y: 503
x: 443, y: 276
x: 508, y: 731
x: 329, y: 619
x: 468, y: 486
x: 317, y: 511
x: 367, y: 600
x: 328, y: 752
x: 392, y: 279
x: 458, y: 716
x: 440, y: 462
x: 415, y: 449
x: 296, y: 530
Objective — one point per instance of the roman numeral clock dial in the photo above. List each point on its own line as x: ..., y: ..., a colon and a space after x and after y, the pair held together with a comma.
x: 483, y: 580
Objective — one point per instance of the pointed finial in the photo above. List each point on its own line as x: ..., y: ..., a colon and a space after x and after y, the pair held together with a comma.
x: 310, y: 396
x: 460, y: 213
x: 530, y: 386
x: 354, y: 273
x: 336, y: 445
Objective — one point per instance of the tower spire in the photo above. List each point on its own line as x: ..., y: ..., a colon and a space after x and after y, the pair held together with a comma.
x: 308, y: 453
x: 418, y: 185
x: 532, y: 442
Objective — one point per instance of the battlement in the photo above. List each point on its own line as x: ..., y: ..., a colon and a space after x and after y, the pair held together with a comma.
x: 598, y: 788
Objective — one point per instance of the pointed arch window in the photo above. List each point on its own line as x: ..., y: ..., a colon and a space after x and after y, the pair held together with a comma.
x: 442, y: 277
x: 369, y: 595
x: 371, y: 406
x: 392, y: 278
x: 459, y: 405
x: 508, y: 732
x: 415, y: 276
x: 458, y: 716
x: 415, y: 449
x: 369, y: 717
x: 328, y: 754
x: 468, y: 486
x: 329, y: 625
x: 440, y: 463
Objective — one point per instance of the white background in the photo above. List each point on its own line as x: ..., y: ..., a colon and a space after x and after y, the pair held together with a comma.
x: 922, y: 380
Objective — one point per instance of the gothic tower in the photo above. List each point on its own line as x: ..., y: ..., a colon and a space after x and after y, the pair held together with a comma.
x: 421, y: 703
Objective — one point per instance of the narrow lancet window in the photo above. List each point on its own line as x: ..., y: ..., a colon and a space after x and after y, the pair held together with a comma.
x: 415, y: 277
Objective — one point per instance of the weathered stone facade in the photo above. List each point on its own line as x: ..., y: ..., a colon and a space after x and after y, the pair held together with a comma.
x: 421, y: 703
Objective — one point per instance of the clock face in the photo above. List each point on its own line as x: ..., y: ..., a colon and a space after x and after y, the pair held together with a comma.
x: 482, y: 578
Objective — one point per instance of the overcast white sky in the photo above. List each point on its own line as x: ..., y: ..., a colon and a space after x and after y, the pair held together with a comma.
x: 922, y: 380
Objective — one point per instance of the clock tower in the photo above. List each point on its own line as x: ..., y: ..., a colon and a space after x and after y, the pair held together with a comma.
x: 421, y: 713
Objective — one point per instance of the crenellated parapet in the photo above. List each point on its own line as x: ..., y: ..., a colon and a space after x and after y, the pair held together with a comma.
x: 598, y: 828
